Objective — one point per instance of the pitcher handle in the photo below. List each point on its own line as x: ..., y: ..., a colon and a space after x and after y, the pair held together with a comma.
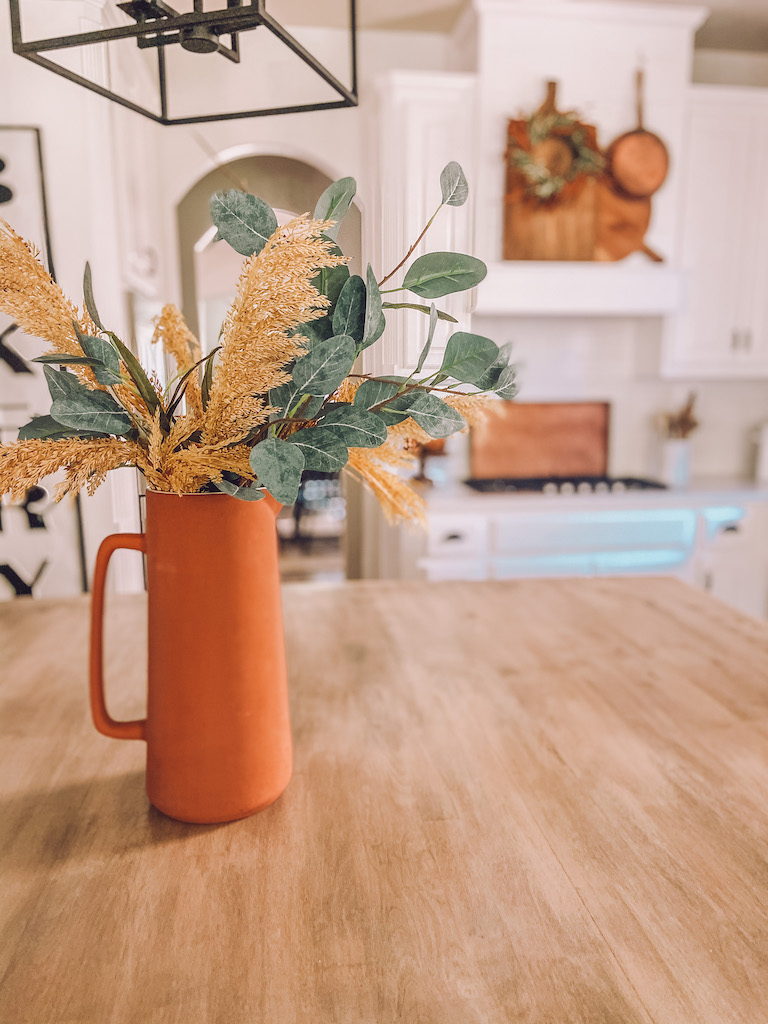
x: 101, y: 718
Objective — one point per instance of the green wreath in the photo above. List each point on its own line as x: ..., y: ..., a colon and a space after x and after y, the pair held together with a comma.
x: 541, y: 183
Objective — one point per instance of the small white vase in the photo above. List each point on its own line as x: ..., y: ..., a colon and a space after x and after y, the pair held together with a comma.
x: 676, y: 462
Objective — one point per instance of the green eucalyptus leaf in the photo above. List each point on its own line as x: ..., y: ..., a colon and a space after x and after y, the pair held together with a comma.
x: 488, y: 381
x: 349, y: 314
x: 278, y: 466
x: 309, y: 407
x: 98, y: 412
x: 64, y: 359
x: 41, y: 427
x: 334, y: 203
x: 440, y: 273
x: 375, y: 321
x: 441, y: 314
x: 323, y: 450
x: 47, y: 428
x: 325, y: 366
x: 316, y: 330
x: 468, y: 356
x: 62, y: 384
x: 428, y: 342
x: 371, y: 392
x: 454, y: 185
x: 330, y: 280
x: 286, y: 398
x: 399, y: 408
x: 90, y: 302
x: 434, y: 416
x: 506, y: 385
x: 107, y: 366
x: 248, y: 493
x: 244, y: 221
x: 355, y: 426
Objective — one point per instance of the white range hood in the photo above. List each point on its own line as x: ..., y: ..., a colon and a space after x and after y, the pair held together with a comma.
x: 536, y: 288
x: 507, y: 50
x: 592, y: 48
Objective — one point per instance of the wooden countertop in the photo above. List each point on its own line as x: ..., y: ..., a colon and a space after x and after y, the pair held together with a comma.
x: 539, y: 801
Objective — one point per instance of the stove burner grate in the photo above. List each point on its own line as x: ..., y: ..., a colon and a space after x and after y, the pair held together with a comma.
x: 565, y: 484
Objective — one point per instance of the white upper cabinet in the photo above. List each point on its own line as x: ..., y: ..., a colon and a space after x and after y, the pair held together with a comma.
x: 425, y: 120
x: 723, y: 330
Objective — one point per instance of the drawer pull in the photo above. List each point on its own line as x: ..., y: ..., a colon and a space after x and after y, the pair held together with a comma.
x: 454, y: 536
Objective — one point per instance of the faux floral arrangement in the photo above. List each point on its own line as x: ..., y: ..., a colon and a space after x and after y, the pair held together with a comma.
x: 681, y: 424
x: 278, y: 395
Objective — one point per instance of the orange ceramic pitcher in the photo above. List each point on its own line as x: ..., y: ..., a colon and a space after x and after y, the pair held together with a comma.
x: 217, y: 727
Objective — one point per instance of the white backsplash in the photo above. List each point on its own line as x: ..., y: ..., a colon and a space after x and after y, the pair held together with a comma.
x: 615, y: 360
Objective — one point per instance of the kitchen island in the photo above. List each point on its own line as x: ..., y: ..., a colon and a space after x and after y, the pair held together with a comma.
x: 525, y: 801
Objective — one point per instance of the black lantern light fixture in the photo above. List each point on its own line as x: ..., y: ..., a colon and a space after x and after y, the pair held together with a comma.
x: 200, y: 60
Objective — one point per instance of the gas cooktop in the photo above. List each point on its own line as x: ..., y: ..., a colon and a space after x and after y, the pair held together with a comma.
x: 565, y: 484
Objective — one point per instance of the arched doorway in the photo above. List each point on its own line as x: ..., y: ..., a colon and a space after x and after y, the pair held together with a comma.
x: 290, y: 186
x: 312, y: 541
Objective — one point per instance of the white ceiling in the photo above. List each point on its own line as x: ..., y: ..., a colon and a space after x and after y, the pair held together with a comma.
x: 732, y: 24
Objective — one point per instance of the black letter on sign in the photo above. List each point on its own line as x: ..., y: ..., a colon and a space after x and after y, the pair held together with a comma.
x: 5, y: 193
x: 7, y: 354
x: 22, y: 589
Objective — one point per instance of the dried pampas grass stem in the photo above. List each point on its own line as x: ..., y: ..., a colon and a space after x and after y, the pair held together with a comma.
x: 275, y: 294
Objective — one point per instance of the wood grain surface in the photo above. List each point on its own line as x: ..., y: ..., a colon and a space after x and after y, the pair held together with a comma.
x: 541, y: 802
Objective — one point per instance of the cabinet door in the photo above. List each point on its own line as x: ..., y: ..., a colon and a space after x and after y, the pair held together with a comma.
x: 424, y: 121
x: 721, y: 333
x: 755, y: 342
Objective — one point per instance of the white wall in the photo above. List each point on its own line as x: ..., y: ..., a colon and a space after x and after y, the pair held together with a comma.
x: 616, y: 360
x: 725, y: 67
x: 79, y: 165
x: 337, y: 142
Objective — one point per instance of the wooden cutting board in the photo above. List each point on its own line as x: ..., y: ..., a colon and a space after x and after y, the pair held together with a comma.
x: 528, y: 439
x: 621, y: 224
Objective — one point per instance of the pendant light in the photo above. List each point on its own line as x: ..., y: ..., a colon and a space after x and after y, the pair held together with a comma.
x: 199, y: 60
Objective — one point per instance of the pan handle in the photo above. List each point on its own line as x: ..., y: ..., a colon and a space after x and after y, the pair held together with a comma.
x: 651, y: 253
x: 639, y: 86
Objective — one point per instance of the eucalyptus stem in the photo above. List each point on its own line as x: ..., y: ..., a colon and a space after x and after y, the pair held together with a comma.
x: 420, y: 384
x: 405, y: 258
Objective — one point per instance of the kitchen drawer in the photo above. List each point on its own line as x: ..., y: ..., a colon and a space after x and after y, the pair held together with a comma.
x: 593, y: 531
x: 457, y: 536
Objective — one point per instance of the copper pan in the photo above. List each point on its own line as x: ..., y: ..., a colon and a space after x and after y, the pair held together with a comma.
x: 637, y: 162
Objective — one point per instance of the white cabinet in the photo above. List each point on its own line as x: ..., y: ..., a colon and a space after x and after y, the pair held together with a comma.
x: 716, y: 541
x: 517, y: 544
x: 425, y: 120
x: 723, y: 249
x: 731, y: 560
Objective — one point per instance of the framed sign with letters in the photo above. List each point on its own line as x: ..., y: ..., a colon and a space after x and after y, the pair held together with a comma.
x: 41, y: 543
